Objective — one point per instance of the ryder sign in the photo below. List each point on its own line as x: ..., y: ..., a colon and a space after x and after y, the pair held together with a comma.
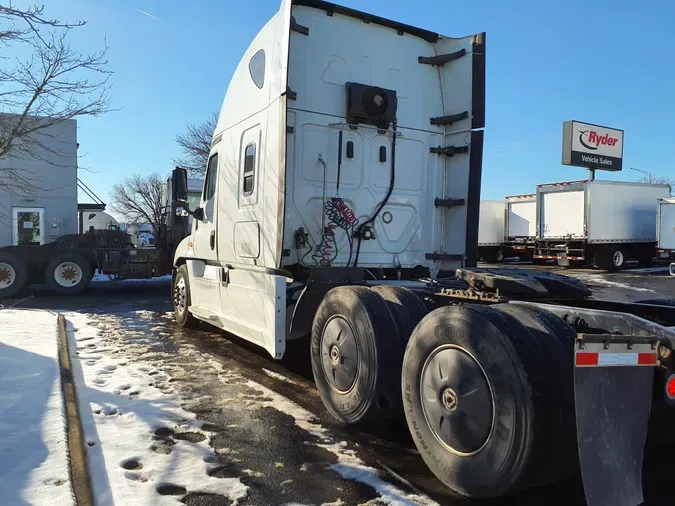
x: 592, y: 146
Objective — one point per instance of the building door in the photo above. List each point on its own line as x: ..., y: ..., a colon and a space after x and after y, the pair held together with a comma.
x: 28, y: 225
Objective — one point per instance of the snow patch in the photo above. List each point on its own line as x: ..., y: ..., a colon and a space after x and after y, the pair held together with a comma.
x: 101, y: 278
x: 133, y: 424
x: 33, y: 447
x: 278, y: 376
x: 606, y: 282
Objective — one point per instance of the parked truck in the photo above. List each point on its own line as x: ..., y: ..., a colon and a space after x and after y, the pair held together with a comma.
x: 599, y: 222
x: 507, y: 228
x: 521, y: 226
x: 341, y: 207
x: 665, y: 249
x: 491, y: 228
x: 68, y: 264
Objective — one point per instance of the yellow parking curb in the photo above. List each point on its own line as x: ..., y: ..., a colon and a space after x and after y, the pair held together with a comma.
x: 79, y: 475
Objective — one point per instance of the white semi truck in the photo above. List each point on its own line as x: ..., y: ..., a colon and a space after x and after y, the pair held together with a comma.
x: 603, y: 222
x: 341, y: 207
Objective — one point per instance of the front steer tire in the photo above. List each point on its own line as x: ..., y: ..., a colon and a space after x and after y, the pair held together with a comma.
x: 180, y: 294
x: 68, y: 274
x: 356, y: 357
x: 475, y: 399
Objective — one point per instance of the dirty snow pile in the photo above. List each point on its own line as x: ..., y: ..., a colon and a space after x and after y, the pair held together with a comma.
x: 33, y: 446
x: 142, y: 447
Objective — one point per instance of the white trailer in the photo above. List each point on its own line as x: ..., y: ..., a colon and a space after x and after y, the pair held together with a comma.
x: 491, y: 230
x: 605, y: 222
x: 343, y: 181
x: 665, y: 223
x: 521, y: 226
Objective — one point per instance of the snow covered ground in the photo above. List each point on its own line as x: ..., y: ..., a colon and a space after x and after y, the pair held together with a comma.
x: 99, y: 278
x: 33, y: 446
x: 143, y: 448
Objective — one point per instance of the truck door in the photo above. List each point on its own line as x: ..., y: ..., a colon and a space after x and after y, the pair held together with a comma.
x: 206, y: 274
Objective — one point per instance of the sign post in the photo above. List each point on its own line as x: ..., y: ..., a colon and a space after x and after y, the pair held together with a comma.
x: 592, y: 146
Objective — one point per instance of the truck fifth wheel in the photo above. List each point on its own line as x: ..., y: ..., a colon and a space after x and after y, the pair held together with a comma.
x: 341, y: 206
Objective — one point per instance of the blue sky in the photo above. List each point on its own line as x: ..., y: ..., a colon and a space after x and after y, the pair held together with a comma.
x: 604, y: 62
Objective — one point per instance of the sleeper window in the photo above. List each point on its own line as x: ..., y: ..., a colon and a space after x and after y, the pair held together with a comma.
x: 211, y: 177
x: 249, y: 169
x: 256, y: 66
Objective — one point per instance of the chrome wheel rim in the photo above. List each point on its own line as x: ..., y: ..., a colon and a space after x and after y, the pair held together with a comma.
x: 457, y: 400
x: 7, y: 275
x: 180, y: 296
x: 68, y: 274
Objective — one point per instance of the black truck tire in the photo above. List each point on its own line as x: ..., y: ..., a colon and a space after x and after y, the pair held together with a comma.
x: 610, y: 258
x: 181, y: 298
x: 406, y: 308
x: 13, y: 275
x: 356, y: 357
x: 68, y: 274
x: 493, y: 377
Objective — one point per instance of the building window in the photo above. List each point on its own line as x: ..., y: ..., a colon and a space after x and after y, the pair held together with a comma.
x: 249, y: 169
x: 211, y: 177
x: 256, y: 66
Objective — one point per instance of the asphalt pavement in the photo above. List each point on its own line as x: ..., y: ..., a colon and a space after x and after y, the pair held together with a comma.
x: 252, y: 402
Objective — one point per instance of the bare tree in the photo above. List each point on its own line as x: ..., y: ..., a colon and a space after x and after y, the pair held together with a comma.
x: 139, y: 199
x: 195, y: 143
x: 54, y: 83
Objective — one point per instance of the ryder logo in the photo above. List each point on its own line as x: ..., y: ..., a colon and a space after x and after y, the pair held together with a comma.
x: 590, y: 139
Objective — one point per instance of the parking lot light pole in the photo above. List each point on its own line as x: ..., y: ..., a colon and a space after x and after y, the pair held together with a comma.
x: 648, y: 174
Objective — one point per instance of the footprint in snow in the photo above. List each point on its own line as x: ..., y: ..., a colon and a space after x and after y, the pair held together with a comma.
x: 170, y: 489
x: 111, y: 410
x: 134, y: 476
x: 110, y: 367
x: 122, y: 388
x: 91, y: 361
x: 132, y: 464
x: 99, y: 381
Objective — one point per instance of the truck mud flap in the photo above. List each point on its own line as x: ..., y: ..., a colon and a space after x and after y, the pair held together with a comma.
x: 613, y: 391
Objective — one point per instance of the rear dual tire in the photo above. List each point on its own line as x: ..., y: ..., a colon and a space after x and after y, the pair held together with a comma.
x: 495, y: 419
x: 358, y: 338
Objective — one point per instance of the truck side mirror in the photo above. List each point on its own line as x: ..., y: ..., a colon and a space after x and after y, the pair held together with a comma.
x: 179, y: 185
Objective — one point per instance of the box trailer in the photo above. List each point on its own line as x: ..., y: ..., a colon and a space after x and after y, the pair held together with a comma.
x: 491, y: 230
x: 665, y: 225
x: 603, y: 222
x: 521, y: 226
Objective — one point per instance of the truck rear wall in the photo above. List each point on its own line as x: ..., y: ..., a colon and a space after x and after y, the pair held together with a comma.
x: 561, y: 213
x: 491, y: 223
x: 623, y: 212
x: 521, y: 219
x: 666, y: 224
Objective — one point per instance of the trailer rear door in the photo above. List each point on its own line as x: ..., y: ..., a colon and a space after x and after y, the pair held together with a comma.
x: 562, y: 214
x: 521, y: 219
x: 667, y: 225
